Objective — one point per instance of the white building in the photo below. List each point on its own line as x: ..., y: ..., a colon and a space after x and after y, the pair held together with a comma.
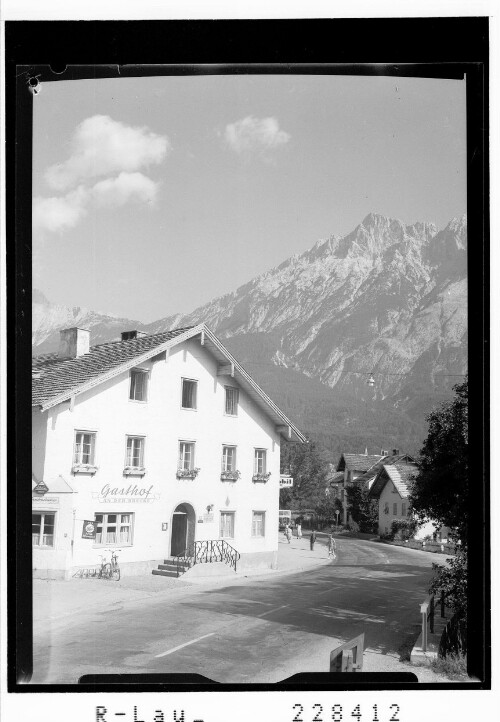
x: 148, y: 445
x: 391, y: 487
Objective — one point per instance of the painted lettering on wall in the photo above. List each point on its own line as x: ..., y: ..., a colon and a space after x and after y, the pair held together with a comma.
x: 126, y: 494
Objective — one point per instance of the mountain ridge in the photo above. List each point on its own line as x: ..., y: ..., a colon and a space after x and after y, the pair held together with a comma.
x: 387, y: 299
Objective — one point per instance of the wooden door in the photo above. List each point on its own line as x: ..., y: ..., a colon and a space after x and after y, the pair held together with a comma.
x: 179, y: 529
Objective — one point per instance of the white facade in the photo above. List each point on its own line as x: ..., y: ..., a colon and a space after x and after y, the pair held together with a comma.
x: 143, y: 505
x: 391, y: 507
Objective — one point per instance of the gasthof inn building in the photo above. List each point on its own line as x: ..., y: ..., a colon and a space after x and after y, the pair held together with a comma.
x: 152, y: 445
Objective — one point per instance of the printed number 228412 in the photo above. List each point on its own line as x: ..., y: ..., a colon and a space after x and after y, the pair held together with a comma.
x: 336, y: 713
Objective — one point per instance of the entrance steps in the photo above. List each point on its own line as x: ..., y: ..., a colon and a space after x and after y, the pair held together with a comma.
x: 169, y: 568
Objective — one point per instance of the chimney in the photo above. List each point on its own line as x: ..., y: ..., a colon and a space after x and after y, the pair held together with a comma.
x: 73, y: 342
x: 395, y: 452
x: 129, y: 335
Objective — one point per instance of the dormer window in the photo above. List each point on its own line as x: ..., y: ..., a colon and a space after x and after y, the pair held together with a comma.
x: 138, y: 385
x: 189, y: 394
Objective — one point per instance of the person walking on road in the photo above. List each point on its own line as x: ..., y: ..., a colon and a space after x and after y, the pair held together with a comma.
x: 312, y: 539
x: 299, y: 531
x: 331, y: 547
x: 288, y: 533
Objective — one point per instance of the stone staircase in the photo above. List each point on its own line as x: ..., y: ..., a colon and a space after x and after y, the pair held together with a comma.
x: 169, y: 568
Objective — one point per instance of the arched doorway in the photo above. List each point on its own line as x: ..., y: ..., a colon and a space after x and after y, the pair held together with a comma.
x: 183, y: 526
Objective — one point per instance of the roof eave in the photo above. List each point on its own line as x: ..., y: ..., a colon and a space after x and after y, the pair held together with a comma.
x: 191, y: 333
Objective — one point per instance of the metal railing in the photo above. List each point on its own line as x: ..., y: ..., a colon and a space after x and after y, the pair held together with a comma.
x: 185, y: 559
x: 205, y: 552
x: 215, y: 550
x: 427, y: 610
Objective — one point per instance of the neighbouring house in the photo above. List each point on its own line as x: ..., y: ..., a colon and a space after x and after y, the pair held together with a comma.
x: 349, y: 468
x: 391, y: 487
x: 148, y: 445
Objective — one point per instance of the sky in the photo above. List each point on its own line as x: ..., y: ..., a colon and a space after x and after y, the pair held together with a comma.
x: 151, y: 196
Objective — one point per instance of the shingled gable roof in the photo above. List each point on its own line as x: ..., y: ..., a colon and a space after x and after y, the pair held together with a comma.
x: 387, y: 460
x: 56, y: 380
x: 400, y: 475
x: 358, y: 462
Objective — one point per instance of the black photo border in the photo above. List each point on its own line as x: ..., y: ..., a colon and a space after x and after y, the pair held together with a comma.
x: 53, y: 50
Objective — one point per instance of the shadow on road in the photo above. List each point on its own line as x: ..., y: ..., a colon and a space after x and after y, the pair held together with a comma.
x: 340, y: 601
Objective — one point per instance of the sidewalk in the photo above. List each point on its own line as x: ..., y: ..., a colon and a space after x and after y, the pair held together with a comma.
x: 56, y: 599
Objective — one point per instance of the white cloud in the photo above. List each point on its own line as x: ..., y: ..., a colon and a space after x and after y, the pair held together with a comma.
x: 59, y: 214
x: 252, y: 134
x: 102, y: 146
x: 126, y: 187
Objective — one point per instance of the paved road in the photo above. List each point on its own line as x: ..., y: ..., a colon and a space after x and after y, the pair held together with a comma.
x: 254, y: 630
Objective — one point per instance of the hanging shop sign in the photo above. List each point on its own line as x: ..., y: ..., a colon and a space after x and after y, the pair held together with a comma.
x: 41, y: 488
x: 131, y: 494
x: 88, y: 530
x: 285, y: 481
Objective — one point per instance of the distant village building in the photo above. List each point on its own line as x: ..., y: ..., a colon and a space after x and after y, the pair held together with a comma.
x: 391, y: 487
x: 349, y: 468
x: 147, y: 445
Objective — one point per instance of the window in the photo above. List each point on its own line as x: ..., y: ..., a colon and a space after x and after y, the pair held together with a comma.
x: 189, y: 389
x: 135, y: 452
x: 259, y: 461
x: 42, y: 529
x: 403, y: 508
x: 229, y: 458
x: 186, y: 455
x: 84, y: 452
x: 258, y: 523
x: 227, y: 524
x: 138, y: 385
x: 386, y: 507
x: 232, y: 397
x: 113, y: 529
x: 394, y: 509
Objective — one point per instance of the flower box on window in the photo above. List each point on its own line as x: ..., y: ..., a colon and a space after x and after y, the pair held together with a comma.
x: 134, y: 470
x: 261, y: 477
x: 230, y: 475
x: 187, y: 473
x: 84, y: 469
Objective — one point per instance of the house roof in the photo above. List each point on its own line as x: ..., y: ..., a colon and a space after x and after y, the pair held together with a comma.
x: 336, y: 478
x: 400, y: 475
x: 57, y: 379
x: 369, y: 475
x: 357, y: 462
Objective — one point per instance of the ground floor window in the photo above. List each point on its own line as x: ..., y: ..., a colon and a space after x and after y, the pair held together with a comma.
x: 42, y: 529
x: 227, y: 524
x: 258, y: 523
x: 114, y: 529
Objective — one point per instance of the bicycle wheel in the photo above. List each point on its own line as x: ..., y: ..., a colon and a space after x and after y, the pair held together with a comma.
x: 106, y: 572
x: 115, y: 574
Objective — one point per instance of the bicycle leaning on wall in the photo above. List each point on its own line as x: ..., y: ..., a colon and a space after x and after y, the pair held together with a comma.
x: 110, y: 570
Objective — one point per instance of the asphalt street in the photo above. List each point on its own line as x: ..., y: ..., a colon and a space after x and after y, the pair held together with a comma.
x: 260, y: 629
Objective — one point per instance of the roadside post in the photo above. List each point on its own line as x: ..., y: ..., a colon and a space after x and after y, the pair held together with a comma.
x: 337, y: 512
